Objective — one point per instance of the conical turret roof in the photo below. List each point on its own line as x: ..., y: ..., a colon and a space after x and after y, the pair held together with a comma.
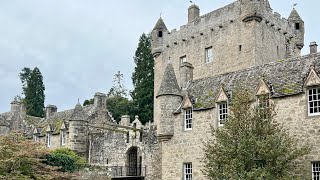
x: 78, y: 114
x: 294, y: 15
x: 169, y: 84
x: 160, y: 25
x: 268, y: 4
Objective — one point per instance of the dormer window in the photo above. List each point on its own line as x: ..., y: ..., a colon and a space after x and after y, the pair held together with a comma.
x: 160, y: 34
x: 222, y: 113
x: 314, y: 101
x: 48, y: 139
x: 188, y: 119
x: 63, y: 137
x: 183, y: 59
x: 36, y: 137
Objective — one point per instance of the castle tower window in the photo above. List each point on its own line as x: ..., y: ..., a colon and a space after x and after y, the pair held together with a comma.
x: 188, y: 119
x: 187, y: 171
x: 209, y: 55
x: 297, y: 25
x: 128, y: 137
x: 48, y: 139
x: 314, y: 101
x: 240, y: 47
x: 183, y: 59
x: 160, y: 34
x: 63, y: 137
x: 141, y: 133
x: 315, y: 170
x: 222, y: 113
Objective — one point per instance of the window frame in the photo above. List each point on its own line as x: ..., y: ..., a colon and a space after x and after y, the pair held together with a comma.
x: 36, y: 137
x: 48, y: 137
x: 62, y: 137
x: 318, y: 100
x: 315, y: 173
x: 219, y: 110
x: 183, y: 58
x: 187, y: 174
x: 187, y: 118
x: 208, y: 59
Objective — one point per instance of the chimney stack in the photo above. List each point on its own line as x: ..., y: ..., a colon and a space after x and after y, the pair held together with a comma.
x: 50, y: 110
x: 313, y: 47
x: 125, y: 120
x: 186, y: 74
x: 193, y: 13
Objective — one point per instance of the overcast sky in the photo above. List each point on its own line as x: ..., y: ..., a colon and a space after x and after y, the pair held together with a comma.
x: 80, y: 44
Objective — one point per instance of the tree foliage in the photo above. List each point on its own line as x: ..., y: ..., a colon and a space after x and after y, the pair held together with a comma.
x: 118, y: 88
x: 88, y: 102
x: 119, y: 106
x: 33, y: 91
x: 21, y: 158
x: 251, y: 145
x: 143, y: 79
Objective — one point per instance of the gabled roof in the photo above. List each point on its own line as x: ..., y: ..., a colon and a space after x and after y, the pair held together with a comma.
x: 284, y: 78
x: 169, y: 84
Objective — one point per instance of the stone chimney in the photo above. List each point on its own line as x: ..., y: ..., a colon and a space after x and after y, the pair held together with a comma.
x: 186, y: 74
x: 125, y: 120
x: 193, y: 13
x: 100, y: 100
x: 50, y: 110
x: 313, y: 47
x: 15, y: 106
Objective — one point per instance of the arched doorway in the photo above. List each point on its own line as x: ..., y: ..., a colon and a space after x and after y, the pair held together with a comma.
x: 133, y: 168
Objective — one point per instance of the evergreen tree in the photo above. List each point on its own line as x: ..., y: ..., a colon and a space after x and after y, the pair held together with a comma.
x: 143, y: 79
x: 252, y: 145
x: 33, y: 91
x: 118, y: 88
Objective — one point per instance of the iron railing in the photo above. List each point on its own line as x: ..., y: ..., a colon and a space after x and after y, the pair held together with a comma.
x: 126, y: 171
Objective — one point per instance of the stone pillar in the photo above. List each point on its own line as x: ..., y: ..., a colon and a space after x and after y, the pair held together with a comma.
x: 193, y: 13
x: 186, y: 74
x: 313, y: 47
x: 50, y: 110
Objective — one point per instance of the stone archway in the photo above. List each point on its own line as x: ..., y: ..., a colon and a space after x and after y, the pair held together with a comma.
x: 133, y: 167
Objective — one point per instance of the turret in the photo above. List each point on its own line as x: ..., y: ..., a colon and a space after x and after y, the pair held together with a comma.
x: 158, y: 33
x: 78, y: 130
x: 253, y: 10
x: 193, y: 13
x: 169, y: 98
x: 298, y: 26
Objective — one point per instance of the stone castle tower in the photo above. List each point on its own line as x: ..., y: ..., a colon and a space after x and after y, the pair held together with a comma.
x: 241, y: 35
x: 198, y: 66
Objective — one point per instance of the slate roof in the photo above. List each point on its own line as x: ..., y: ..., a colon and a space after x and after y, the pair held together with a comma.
x: 160, y: 25
x: 78, y: 113
x: 283, y: 77
x: 169, y: 84
x: 294, y: 15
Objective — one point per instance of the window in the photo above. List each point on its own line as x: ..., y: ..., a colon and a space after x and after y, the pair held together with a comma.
x: 187, y: 171
x: 240, y: 47
x: 315, y: 170
x: 222, y: 113
x: 188, y: 119
x: 160, y: 34
x: 314, y: 101
x: 128, y: 137
x: 48, y: 139
x: 141, y: 133
x: 209, y: 55
x: 297, y: 25
x: 263, y: 104
x: 35, y: 138
x: 63, y: 137
x: 183, y: 59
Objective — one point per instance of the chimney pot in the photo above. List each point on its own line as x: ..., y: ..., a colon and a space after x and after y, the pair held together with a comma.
x: 313, y: 47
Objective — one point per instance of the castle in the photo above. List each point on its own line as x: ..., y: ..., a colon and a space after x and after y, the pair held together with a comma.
x: 198, y: 67
x: 122, y: 149
x: 196, y: 70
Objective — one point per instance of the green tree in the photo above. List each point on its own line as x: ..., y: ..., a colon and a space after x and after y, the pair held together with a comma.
x: 119, y: 106
x: 143, y: 78
x: 88, y: 102
x: 118, y: 88
x: 33, y: 91
x: 252, y: 145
